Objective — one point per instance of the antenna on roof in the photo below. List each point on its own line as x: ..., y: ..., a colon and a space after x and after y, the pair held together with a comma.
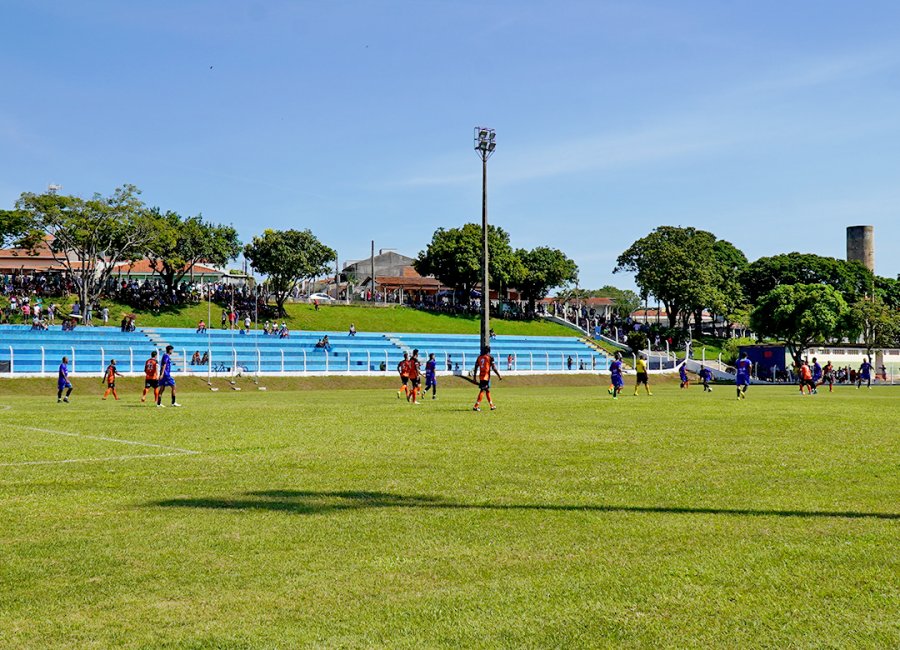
x: 53, y: 188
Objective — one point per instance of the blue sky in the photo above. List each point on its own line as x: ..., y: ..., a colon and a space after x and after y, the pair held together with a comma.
x: 772, y: 124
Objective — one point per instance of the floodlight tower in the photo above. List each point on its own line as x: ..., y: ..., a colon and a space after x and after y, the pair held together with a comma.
x: 484, y: 147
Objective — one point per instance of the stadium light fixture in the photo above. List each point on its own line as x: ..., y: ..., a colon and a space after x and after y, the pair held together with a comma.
x: 485, y: 143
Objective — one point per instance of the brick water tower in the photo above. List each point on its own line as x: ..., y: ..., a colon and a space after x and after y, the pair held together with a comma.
x: 861, y: 245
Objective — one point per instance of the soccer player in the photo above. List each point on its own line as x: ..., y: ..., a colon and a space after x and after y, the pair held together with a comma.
x: 404, y: 376
x: 483, y: 366
x: 742, y: 377
x: 615, y: 376
x: 431, y: 376
x: 165, y: 377
x: 864, y: 375
x: 110, y: 378
x: 62, y: 382
x: 683, y: 376
x: 151, y: 377
x: 806, y: 377
x: 706, y: 377
x: 413, y: 369
x: 828, y: 376
x: 642, y: 376
x: 816, y: 375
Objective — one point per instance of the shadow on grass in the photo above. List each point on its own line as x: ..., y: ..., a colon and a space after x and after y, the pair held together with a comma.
x: 306, y: 502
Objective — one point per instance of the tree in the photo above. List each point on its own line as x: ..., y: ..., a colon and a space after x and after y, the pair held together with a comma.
x: 178, y: 244
x: 687, y: 269
x: 800, y: 315
x: 454, y: 258
x: 877, y: 324
x: 625, y: 301
x: 89, y: 237
x: 852, y: 279
x: 286, y: 257
x: 543, y: 269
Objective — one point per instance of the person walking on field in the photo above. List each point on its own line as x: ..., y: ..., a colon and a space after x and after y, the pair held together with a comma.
x: 62, y: 382
x: 151, y: 377
x: 642, y: 376
x: 403, y: 371
x: 413, y: 369
x: 742, y: 376
x: 615, y: 376
x: 483, y: 367
x: 110, y: 378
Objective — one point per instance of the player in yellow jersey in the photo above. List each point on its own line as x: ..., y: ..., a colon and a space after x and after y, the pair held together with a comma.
x: 642, y: 376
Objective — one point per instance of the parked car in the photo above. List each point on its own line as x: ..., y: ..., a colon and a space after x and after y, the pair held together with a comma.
x: 321, y: 297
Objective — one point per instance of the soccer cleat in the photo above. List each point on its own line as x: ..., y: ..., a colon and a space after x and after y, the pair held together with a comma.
x: 609, y: 390
x: 160, y: 406
x: 493, y: 408
x: 175, y: 404
x: 476, y: 408
x: 650, y: 394
x: 398, y: 394
x: 59, y: 401
x: 66, y: 400
x: 143, y: 399
x: 434, y: 397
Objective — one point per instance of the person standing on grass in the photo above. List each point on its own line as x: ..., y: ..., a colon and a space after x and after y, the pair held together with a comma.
x: 683, y: 376
x: 151, y: 377
x: 828, y: 376
x: 62, y: 382
x: 403, y: 371
x: 110, y: 378
x: 483, y: 366
x: 806, y: 380
x: 165, y: 377
x: 431, y: 376
x: 864, y: 375
x: 413, y: 369
x: 816, y: 375
x: 706, y: 377
x: 642, y: 376
x: 742, y: 376
x: 615, y: 376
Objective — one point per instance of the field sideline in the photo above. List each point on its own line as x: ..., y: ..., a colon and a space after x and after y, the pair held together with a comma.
x: 333, y: 517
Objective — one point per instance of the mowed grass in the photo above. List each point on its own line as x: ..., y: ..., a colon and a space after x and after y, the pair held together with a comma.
x: 348, y: 518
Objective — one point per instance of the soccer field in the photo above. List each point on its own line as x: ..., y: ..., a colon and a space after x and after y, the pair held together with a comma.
x: 348, y: 518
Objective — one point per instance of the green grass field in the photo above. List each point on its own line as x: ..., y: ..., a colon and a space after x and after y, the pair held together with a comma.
x: 332, y: 516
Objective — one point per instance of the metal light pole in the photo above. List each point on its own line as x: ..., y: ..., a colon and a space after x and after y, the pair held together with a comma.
x: 484, y: 147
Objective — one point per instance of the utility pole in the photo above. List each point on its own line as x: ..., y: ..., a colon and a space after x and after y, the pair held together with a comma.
x: 484, y: 147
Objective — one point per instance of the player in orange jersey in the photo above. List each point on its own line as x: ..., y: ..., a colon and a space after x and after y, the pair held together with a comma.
x: 109, y: 376
x: 483, y: 366
x: 404, y: 376
x: 151, y: 377
x: 413, y: 370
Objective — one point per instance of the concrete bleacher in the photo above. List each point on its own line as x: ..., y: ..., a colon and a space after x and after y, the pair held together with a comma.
x: 530, y: 353
x: 23, y: 351
x: 27, y: 351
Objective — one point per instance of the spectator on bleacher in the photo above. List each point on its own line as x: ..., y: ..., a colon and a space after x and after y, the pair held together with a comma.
x: 201, y: 327
x: 449, y: 364
x: 195, y: 360
x: 104, y: 314
x: 569, y: 362
x: 352, y: 329
x: 247, y: 323
x: 205, y: 359
x: 224, y: 318
x: 283, y: 332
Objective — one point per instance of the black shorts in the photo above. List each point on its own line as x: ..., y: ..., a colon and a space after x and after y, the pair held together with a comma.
x: 111, y: 385
x: 642, y: 378
x: 151, y: 383
x: 405, y: 380
x: 415, y: 381
x: 484, y: 384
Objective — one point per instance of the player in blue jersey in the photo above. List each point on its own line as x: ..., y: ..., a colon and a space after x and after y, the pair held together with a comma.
x: 165, y: 377
x: 816, y: 374
x: 864, y: 375
x: 706, y: 377
x: 742, y: 376
x: 683, y: 376
x: 62, y: 382
x: 615, y: 375
x: 431, y: 376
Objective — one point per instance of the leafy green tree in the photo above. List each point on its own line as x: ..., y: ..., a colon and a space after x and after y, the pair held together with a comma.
x: 454, y: 257
x: 286, y: 257
x: 852, y: 279
x: 888, y: 289
x: 877, y: 324
x: 543, y: 269
x: 688, y: 270
x: 800, y: 315
x: 178, y: 244
x: 625, y: 301
x: 88, y: 237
